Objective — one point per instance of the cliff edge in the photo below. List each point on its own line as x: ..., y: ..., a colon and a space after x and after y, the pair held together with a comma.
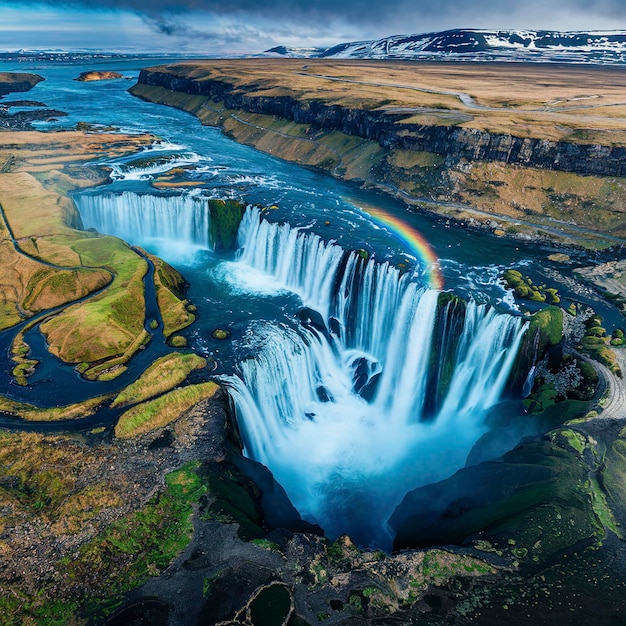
x: 14, y: 81
x: 538, y: 158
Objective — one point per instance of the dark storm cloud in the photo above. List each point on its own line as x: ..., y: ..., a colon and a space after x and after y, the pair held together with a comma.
x: 356, y: 10
x: 366, y: 18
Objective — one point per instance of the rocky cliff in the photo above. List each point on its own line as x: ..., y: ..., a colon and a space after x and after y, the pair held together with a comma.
x: 10, y: 82
x: 451, y: 141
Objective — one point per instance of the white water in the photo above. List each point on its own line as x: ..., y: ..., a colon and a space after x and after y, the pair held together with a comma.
x: 174, y: 226
x: 344, y: 460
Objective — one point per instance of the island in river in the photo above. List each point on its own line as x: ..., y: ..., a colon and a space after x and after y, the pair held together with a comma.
x: 92, y: 75
x: 156, y: 521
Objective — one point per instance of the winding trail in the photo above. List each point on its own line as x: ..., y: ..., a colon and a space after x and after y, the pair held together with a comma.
x: 616, y: 392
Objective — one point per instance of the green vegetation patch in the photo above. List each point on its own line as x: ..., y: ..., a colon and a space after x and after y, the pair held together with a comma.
x: 108, y: 324
x: 176, y: 312
x: 163, y: 410
x: 524, y: 288
x: 34, y: 413
x: 163, y: 375
x: 549, y: 324
x: 139, y: 545
x: 595, y: 343
x: 226, y: 215
x: 537, y: 497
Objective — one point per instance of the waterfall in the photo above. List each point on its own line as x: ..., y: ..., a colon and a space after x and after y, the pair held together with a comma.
x: 299, y: 261
x: 178, y: 221
x: 339, y: 411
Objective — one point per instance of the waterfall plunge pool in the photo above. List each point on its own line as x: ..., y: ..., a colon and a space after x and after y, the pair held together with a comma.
x: 377, y: 386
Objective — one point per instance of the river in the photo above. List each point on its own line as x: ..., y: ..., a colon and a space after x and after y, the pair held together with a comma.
x: 338, y: 406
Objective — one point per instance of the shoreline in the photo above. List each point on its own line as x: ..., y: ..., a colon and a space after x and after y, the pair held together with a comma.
x: 366, y: 163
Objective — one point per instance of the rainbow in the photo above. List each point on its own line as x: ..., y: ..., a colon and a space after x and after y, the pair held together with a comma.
x: 412, y: 238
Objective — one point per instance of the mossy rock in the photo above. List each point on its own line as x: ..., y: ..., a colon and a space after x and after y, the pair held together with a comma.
x: 524, y: 288
x: 177, y: 341
x: 226, y: 215
x: 549, y: 324
x: 520, y: 500
x: 221, y: 334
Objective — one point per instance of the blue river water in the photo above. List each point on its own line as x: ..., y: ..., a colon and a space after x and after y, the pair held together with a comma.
x: 345, y: 391
x: 470, y: 262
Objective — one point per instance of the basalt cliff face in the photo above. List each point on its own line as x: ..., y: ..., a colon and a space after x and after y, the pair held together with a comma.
x: 382, y: 127
x: 546, y: 184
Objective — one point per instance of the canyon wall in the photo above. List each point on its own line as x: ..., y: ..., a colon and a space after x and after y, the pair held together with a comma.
x: 382, y: 127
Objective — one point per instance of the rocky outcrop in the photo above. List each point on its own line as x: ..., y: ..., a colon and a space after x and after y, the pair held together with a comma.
x: 13, y: 81
x: 380, y: 126
x: 86, y: 77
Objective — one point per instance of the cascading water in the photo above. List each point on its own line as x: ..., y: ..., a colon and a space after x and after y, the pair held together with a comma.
x: 180, y: 220
x: 339, y: 410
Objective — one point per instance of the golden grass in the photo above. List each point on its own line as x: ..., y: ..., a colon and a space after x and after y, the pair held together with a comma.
x: 164, y: 410
x: 173, y: 307
x: 596, y: 203
x: 163, y: 375
x: 32, y: 413
x: 531, y: 100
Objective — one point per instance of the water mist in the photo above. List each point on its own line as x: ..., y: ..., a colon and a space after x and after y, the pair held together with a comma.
x: 340, y: 409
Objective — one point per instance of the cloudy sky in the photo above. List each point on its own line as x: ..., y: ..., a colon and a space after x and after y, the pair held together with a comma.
x: 236, y: 26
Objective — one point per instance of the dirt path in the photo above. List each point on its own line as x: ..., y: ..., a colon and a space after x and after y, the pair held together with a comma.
x: 616, y: 404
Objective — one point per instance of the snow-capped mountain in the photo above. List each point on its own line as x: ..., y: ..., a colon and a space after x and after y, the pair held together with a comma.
x: 597, y: 47
x: 291, y: 52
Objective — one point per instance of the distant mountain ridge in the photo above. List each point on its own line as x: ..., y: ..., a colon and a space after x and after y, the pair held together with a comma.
x: 547, y: 46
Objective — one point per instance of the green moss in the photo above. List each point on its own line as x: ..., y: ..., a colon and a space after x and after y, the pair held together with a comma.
x: 265, y: 543
x: 549, y: 324
x: 597, y: 348
x: 226, y: 216
x: 524, y: 288
x: 541, y: 399
x: 138, y: 545
x: 525, y: 496
x: 574, y: 439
